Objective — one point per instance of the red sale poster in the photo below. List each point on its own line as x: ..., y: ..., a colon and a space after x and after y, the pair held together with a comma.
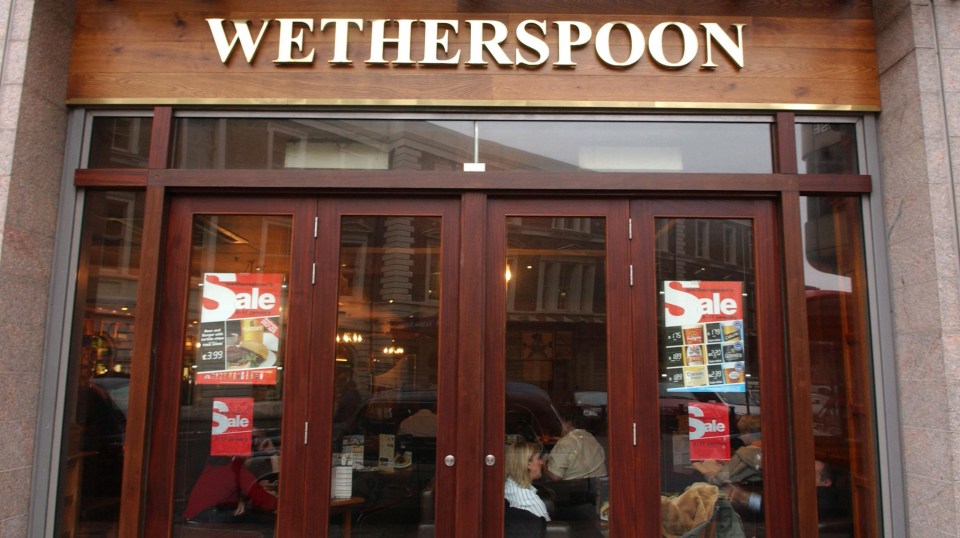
x: 232, y: 427
x: 702, y: 342
x: 709, y: 431
x: 239, y: 336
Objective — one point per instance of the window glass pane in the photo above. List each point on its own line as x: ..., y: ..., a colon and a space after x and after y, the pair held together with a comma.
x: 98, y: 377
x: 258, y: 143
x: 626, y: 146
x: 834, y: 272
x: 119, y: 142
x: 556, y: 375
x: 827, y: 148
x: 385, y: 401
x: 228, y: 443
x: 709, y: 382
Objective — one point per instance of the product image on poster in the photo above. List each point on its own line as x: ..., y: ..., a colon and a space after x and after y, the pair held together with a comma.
x: 239, y: 335
x: 702, y: 342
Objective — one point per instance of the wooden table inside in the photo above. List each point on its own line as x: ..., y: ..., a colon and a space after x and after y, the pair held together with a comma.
x: 346, y: 506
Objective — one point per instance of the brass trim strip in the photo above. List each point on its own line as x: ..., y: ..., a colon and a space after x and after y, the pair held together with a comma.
x: 658, y: 105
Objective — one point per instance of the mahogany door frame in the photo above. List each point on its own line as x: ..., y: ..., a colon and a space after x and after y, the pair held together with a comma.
x: 471, y: 427
x: 303, y: 382
x: 778, y: 494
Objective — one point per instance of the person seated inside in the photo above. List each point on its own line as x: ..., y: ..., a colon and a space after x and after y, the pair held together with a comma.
x: 423, y: 423
x: 577, y: 454
x: 747, y: 431
x: 828, y: 499
x: 525, y: 513
x: 227, y: 492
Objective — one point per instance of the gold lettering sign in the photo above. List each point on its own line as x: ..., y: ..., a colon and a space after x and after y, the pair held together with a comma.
x: 487, y: 41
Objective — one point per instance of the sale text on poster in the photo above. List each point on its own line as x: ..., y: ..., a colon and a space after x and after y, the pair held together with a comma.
x: 231, y: 433
x: 709, y: 431
x: 239, y: 329
x: 703, y: 346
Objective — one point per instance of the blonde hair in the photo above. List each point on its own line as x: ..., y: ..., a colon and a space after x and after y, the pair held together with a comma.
x: 516, y: 457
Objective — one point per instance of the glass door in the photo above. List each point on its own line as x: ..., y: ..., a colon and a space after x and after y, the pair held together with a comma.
x: 627, y: 348
x: 383, y: 362
x: 229, y: 357
x: 709, y: 345
x: 556, y: 304
x: 415, y: 367
x: 304, y: 348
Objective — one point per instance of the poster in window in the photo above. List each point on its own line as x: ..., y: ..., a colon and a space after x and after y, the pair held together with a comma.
x: 702, y: 345
x: 232, y: 427
x: 709, y: 431
x: 239, y: 336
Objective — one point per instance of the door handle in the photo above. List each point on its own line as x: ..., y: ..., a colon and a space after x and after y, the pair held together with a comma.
x: 449, y: 460
x: 490, y: 460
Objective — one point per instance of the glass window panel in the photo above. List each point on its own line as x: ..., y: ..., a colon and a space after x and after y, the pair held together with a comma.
x: 835, y: 277
x: 98, y: 377
x: 119, y: 142
x: 556, y: 372
x: 228, y: 443
x: 827, y: 148
x: 626, y: 146
x: 709, y: 382
x: 386, y: 369
x: 322, y: 144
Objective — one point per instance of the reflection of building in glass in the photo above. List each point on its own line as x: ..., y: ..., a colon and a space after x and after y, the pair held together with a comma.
x: 707, y: 249
x: 559, y: 146
x: 556, y: 304
x: 320, y: 144
x: 389, y: 302
x: 827, y: 148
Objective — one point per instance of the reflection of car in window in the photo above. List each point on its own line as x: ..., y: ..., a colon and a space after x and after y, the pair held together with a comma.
x: 529, y: 413
x: 104, y: 421
x: 593, y: 404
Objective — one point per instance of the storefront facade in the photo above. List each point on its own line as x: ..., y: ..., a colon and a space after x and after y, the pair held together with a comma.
x: 690, y: 230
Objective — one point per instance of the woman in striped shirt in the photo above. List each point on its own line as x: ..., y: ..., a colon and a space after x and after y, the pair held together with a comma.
x: 523, y: 465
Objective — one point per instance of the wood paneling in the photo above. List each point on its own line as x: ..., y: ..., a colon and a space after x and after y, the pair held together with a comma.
x: 163, y: 53
x: 842, y: 8
x: 798, y: 349
x: 135, y: 470
x: 109, y: 177
x: 512, y: 181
